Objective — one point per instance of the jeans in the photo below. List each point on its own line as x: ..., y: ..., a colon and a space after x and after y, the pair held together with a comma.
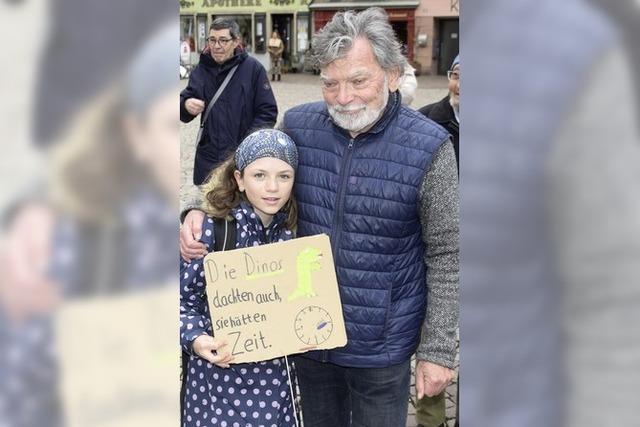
x: 335, y: 396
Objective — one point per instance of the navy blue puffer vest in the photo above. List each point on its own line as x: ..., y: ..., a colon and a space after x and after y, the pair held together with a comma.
x: 363, y: 193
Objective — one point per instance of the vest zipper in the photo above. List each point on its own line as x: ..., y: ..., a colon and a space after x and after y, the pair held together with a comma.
x: 337, y: 219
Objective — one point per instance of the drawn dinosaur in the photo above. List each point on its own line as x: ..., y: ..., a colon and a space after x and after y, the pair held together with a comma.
x: 307, y: 261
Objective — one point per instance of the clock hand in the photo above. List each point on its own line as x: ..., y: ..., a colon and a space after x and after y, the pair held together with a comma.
x: 322, y: 324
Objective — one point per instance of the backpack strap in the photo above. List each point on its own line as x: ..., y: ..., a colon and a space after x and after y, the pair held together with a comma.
x: 225, y: 234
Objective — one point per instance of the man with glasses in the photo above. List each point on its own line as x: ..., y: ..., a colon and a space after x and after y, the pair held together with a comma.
x: 446, y: 112
x: 246, y: 103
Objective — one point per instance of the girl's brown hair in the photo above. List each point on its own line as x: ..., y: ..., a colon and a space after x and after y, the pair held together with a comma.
x: 222, y: 194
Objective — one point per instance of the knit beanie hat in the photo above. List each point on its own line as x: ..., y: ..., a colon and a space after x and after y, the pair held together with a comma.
x: 456, y: 61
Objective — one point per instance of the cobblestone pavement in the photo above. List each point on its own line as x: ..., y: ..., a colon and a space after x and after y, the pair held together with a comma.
x: 295, y: 89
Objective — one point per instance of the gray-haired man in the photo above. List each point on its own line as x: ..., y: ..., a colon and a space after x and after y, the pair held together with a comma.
x: 381, y: 181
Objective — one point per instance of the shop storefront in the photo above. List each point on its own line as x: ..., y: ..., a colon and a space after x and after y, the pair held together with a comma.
x: 401, y: 15
x: 257, y: 19
x: 437, y: 34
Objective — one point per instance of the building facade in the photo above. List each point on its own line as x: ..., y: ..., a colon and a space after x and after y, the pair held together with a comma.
x: 427, y: 29
x: 257, y: 19
x: 401, y: 14
x: 437, y: 24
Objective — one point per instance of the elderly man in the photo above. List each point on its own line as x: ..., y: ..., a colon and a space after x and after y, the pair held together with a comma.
x: 247, y: 103
x: 380, y: 180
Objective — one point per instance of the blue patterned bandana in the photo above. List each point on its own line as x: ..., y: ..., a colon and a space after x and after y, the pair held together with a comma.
x: 266, y: 143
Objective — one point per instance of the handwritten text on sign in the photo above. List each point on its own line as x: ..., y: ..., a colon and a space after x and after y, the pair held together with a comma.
x: 272, y: 300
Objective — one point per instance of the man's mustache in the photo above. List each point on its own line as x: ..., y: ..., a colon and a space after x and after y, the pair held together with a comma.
x: 348, y: 109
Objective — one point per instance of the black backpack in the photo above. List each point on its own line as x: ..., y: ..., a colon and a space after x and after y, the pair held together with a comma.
x: 225, y: 239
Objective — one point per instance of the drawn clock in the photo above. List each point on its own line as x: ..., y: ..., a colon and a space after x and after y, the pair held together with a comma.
x: 313, y: 325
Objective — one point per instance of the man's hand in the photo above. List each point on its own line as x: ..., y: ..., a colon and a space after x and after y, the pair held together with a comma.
x: 432, y: 379
x: 194, y: 106
x: 190, y: 233
x: 205, y: 346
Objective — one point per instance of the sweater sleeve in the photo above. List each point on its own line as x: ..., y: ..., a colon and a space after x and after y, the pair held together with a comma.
x: 439, y: 216
x: 195, y: 319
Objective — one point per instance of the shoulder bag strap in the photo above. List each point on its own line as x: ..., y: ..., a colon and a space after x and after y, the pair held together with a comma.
x: 224, y: 84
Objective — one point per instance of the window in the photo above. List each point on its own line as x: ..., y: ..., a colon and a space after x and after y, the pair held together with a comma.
x: 260, y: 41
x: 187, y: 31
x: 303, y: 32
x: 203, y: 32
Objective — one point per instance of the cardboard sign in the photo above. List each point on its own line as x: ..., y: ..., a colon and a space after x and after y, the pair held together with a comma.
x: 119, y: 359
x: 271, y: 300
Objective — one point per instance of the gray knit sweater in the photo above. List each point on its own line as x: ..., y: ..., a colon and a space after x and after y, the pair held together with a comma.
x: 439, y: 215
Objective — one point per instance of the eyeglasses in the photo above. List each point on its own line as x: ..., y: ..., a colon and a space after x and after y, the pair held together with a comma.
x: 453, y: 75
x: 221, y: 41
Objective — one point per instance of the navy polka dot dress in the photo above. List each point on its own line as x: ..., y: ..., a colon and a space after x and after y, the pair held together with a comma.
x: 244, y: 395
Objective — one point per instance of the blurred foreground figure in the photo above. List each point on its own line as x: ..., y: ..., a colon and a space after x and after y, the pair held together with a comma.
x: 106, y: 227
x: 551, y: 218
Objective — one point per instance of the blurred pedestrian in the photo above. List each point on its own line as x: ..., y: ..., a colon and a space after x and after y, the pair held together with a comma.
x: 408, y: 84
x: 276, y: 48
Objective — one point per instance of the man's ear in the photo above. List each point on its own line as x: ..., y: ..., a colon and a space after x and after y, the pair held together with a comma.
x: 394, y: 79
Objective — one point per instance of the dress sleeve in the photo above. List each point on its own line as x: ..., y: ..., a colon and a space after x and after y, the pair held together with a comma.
x: 195, y: 319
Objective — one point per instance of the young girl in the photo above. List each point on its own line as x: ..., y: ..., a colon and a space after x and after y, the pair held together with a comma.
x: 254, y: 188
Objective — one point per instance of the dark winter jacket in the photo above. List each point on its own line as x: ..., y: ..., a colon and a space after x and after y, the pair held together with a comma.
x: 363, y: 192
x: 442, y: 113
x: 246, y: 104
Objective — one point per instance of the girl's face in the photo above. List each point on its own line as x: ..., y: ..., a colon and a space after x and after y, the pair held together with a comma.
x: 267, y: 182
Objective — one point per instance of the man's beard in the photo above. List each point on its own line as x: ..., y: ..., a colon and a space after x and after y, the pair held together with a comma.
x: 454, y: 104
x: 361, y: 120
